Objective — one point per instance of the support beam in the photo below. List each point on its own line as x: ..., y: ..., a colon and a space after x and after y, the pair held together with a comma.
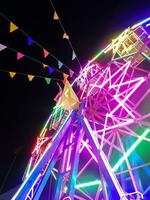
x: 131, y: 149
x: 47, y: 155
x: 75, y: 161
x: 104, y: 166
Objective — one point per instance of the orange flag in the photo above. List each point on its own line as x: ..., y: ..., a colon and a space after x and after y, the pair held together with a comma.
x: 65, y: 36
x: 55, y: 17
x: 13, y: 27
x: 65, y: 77
x: 30, y: 77
x: 12, y: 74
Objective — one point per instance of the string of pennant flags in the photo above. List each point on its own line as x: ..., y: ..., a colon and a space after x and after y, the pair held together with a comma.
x: 13, y: 27
x: 30, y: 77
x: 20, y: 55
x: 30, y: 41
x: 65, y: 35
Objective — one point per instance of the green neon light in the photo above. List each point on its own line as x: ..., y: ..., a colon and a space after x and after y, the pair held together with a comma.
x: 99, y: 54
x: 45, y: 126
x: 105, y: 50
x: 131, y: 149
x: 88, y: 184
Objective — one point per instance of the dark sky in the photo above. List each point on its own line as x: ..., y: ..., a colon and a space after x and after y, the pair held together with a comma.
x: 25, y: 105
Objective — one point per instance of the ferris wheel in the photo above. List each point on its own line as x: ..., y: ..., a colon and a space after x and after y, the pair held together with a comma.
x: 95, y: 143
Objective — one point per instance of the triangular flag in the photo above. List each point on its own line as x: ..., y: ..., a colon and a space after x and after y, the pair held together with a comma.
x: 30, y: 41
x: 60, y: 64
x: 45, y: 53
x: 2, y: 47
x: 57, y: 97
x: 48, y: 80
x: 71, y: 72
x: 44, y: 65
x: 55, y: 17
x: 73, y: 55
x: 65, y: 77
x: 19, y: 55
x: 13, y: 27
x: 65, y: 36
x: 30, y: 77
x: 51, y: 70
x: 12, y: 74
x: 69, y: 99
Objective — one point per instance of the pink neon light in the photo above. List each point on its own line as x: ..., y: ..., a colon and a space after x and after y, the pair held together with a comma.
x: 129, y: 121
x: 40, y: 142
x: 89, y: 150
x: 69, y: 153
x: 125, y: 99
x: 83, y: 145
x: 67, y: 198
x: 120, y: 69
x: 98, y: 79
x: 125, y: 108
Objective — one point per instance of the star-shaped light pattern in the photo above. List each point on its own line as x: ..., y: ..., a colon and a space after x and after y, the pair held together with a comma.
x: 114, y: 91
x: 110, y: 96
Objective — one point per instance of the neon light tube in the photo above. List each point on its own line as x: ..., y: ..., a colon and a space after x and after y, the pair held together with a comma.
x: 105, y: 50
x: 29, y: 167
x: 131, y: 149
x: 45, y: 125
x: 146, y: 56
x: 140, y: 23
x: 89, y: 150
x: 88, y: 184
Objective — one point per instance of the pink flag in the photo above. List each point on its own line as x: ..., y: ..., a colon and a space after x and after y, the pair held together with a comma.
x: 19, y: 55
x: 71, y: 72
x: 45, y: 53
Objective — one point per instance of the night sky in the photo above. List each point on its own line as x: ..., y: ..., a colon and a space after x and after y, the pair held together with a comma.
x: 24, y: 105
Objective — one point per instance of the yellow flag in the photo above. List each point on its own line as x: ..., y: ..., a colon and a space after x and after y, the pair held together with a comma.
x: 55, y: 17
x: 30, y: 77
x: 13, y: 27
x: 44, y: 65
x: 69, y: 100
x: 12, y: 74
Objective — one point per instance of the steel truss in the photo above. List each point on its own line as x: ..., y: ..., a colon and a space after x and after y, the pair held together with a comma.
x: 88, y: 148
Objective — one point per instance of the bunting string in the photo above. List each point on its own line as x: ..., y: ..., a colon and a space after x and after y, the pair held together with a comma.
x: 30, y: 76
x: 13, y: 27
x: 65, y: 36
x: 21, y: 55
